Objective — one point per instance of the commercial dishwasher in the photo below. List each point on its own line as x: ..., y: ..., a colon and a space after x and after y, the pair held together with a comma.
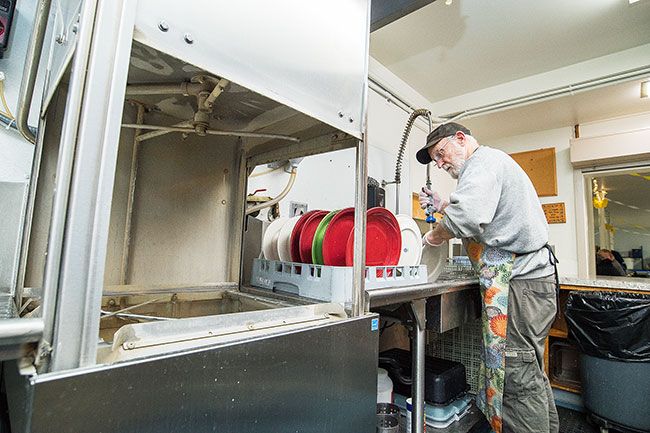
x: 135, y: 315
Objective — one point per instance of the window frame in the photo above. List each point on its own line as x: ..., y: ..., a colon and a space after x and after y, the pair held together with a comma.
x: 585, y: 230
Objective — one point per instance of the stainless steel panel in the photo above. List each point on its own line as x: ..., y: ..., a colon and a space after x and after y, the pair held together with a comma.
x: 418, y: 310
x: 252, y: 247
x: 321, y: 379
x: 12, y: 197
x: 311, y: 56
x: 398, y: 295
x: 20, y: 396
x: 360, y: 302
x: 42, y: 188
x: 76, y: 275
x: 115, y: 250
x: 452, y: 309
x: 142, y: 340
x: 185, y: 199
x: 61, y: 40
x: 16, y: 334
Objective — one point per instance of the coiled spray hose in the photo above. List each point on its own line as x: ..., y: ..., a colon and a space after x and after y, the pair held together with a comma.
x: 402, y: 148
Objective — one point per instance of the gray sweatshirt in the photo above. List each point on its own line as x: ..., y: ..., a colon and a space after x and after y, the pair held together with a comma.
x: 495, y: 203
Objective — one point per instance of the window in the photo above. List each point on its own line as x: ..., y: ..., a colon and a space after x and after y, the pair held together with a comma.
x: 620, y: 222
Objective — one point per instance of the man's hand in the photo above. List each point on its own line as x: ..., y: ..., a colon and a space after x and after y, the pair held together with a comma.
x: 431, y: 240
x: 436, y: 237
x: 430, y: 198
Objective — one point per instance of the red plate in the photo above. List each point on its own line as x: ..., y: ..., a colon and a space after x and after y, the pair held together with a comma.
x: 307, y: 235
x: 336, y: 237
x: 295, y: 235
x: 383, y: 239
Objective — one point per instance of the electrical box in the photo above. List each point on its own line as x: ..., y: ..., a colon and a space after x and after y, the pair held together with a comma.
x: 376, y: 194
x: 6, y: 17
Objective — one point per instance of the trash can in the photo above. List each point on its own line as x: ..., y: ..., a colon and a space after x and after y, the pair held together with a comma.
x: 612, y: 332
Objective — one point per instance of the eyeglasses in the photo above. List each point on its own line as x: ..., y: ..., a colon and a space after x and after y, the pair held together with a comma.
x: 438, y: 154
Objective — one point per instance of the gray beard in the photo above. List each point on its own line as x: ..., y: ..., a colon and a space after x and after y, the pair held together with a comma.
x: 454, y: 172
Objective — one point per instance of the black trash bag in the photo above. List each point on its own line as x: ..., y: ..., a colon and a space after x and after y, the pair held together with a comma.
x: 610, y: 325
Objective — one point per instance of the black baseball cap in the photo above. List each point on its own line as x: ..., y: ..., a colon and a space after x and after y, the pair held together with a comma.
x: 442, y: 131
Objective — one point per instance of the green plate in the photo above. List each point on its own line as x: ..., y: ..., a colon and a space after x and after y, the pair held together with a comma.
x: 317, y: 244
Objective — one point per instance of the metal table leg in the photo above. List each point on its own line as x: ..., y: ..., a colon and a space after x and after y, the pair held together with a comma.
x: 418, y: 308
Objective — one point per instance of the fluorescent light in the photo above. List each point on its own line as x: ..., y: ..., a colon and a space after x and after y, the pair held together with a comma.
x: 633, y: 1
x: 644, y: 89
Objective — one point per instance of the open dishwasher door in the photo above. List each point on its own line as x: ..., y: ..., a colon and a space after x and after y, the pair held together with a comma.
x: 313, y: 373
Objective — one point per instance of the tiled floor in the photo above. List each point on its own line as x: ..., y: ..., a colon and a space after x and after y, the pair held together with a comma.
x: 574, y: 422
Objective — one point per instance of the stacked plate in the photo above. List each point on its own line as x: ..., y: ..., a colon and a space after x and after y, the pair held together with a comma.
x: 327, y: 238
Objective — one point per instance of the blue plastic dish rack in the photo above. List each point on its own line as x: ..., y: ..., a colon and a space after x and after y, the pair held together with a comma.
x: 329, y: 283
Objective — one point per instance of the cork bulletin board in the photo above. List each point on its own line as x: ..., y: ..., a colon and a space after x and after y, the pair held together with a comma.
x: 539, y: 165
x: 555, y: 213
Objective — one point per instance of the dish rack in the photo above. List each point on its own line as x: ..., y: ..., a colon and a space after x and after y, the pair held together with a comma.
x: 329, y: 283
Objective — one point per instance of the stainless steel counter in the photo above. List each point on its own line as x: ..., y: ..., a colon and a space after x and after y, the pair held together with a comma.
x: 398, y: 295
x: 620, y: 283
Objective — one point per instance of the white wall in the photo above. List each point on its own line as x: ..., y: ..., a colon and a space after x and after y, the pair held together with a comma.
x: 327, y: 181
x: 616, y: 125
x: 562, y: 236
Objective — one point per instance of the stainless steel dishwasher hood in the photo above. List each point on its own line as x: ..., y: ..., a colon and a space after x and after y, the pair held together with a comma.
x: 152, y: 118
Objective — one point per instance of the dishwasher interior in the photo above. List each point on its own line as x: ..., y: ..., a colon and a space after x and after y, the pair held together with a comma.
x: 175, y: 243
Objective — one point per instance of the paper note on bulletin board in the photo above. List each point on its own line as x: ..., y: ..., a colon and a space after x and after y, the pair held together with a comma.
x: 555, y: 213
x: 539, y: 165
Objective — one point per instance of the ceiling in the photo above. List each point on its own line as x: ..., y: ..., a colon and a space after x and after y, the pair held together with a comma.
x: 588, y: 106
x: 444, y: 51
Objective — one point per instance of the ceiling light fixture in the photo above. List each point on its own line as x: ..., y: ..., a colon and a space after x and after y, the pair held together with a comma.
x: 644, y: 89
x: 633, y: 1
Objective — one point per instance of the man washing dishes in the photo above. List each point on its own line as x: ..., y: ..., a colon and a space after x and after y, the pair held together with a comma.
x: 496, y: 213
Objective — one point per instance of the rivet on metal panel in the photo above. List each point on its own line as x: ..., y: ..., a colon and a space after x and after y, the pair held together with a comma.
x: 223, y: 201
x: 340, y: 114
x: 163, y: 26
x: 111, y: 302
x: 188, y: 38
x: 225, y: 171
x: 75, y: 26
x: 350, y: 119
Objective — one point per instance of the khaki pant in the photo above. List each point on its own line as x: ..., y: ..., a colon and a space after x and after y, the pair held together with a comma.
x: 528, y: 404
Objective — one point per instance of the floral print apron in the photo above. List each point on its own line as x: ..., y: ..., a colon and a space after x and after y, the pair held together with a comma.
x: 494, y: 267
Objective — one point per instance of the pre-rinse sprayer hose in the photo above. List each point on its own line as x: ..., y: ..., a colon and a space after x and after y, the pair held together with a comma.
x: 405, y: 136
